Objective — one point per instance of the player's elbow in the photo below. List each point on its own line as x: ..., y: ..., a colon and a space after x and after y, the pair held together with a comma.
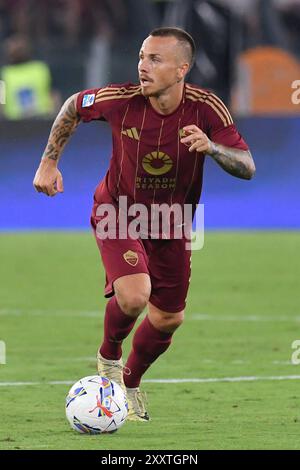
x: 251, y: 171
x: 250, y: 168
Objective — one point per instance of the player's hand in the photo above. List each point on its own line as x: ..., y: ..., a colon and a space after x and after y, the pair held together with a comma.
x: 48, y: 179
x: 196, y: 140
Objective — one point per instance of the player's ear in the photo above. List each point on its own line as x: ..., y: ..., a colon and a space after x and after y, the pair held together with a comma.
x: 182, y: 71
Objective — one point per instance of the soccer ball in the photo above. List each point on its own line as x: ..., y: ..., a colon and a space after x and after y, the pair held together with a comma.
x: 96, y: 405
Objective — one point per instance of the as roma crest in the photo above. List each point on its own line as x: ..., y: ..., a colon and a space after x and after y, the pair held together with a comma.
x: 131, y: 258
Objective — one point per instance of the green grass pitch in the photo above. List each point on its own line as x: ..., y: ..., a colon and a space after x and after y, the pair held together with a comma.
x: 241, y: 319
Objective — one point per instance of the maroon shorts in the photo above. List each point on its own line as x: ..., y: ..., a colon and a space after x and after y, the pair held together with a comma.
x: 167, y: 262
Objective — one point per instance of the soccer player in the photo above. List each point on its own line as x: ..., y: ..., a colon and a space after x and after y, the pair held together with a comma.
x: 162, y: 129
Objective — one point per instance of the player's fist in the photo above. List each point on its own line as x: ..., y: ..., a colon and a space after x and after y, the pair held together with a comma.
x: 196, y: 140
x: 48, y: 179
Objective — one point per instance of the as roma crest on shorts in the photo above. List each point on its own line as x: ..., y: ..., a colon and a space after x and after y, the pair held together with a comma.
x: 131, y: 258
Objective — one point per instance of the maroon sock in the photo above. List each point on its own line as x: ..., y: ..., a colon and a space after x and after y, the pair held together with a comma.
x: 148, y: 344
x: 117, y: 326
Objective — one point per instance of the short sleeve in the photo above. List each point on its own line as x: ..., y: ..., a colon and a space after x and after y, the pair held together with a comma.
x: 105, y: 103
x: 220, y: 127
x: 88, y: 108
x: 93, y: 105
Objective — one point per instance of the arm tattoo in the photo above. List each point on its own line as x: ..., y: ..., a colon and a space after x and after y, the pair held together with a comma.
x: 63, y: 127
x: 237, y: 162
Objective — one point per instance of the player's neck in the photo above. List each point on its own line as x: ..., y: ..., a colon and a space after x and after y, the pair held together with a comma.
x: 167, y: 102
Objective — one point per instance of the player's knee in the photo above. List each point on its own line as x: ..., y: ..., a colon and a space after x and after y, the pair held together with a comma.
x: 133, y: 305
x: 178, y: 320
x: 175, y: 322
x: 170, y: 323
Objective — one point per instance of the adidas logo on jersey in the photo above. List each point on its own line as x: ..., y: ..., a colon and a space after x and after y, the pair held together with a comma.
x: 132, y: 133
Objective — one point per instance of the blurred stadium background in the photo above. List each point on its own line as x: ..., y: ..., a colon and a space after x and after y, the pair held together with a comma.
x: 248, y: 53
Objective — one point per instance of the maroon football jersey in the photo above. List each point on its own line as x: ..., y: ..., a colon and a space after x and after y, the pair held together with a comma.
x: 149, y: 164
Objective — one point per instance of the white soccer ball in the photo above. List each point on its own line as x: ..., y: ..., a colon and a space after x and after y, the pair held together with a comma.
x: 96, y: 405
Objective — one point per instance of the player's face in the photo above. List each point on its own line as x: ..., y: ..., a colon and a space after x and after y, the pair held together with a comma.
x: 161, y: 65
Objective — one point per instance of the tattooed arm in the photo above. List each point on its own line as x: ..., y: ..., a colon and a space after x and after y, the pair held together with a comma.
x: 48, y: 178
x: 237, y: 162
